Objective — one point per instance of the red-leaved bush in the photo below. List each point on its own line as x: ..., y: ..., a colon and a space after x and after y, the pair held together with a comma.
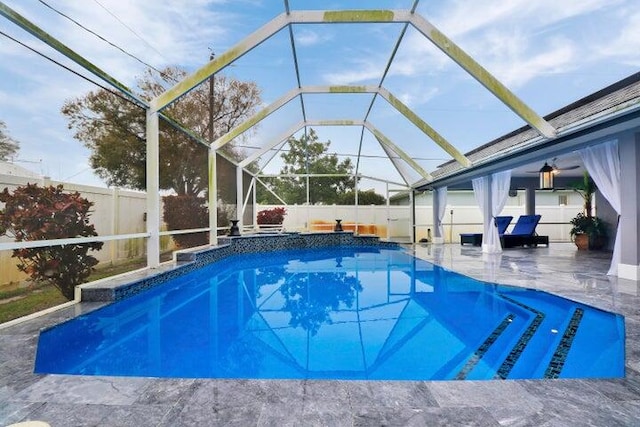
x: 185, y: 212
x: 271, y: 216
x: 46, y: 213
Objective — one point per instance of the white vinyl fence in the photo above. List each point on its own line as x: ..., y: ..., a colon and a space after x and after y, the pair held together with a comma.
x: 391, y: 222
x: 121, y: 212
x: 394, y: 222
x: 115, y: 212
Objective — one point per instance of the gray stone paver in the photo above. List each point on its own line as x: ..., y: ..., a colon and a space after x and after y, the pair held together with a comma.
x: 64, y: 400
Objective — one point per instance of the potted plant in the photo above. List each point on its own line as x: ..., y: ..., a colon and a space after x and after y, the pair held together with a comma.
x: 588, y: 231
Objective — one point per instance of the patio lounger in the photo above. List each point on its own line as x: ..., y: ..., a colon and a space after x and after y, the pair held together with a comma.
x: 502, y: 222
x: 524, y: 233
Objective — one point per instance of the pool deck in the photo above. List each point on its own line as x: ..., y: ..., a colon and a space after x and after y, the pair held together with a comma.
x: 65, y: 400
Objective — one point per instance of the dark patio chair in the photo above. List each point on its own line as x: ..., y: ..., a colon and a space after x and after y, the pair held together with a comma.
x: 502, y: 222
x: 524, y: 233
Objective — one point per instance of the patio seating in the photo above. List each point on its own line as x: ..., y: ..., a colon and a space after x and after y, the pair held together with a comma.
x: 524, y: 233
x: 502, y: 222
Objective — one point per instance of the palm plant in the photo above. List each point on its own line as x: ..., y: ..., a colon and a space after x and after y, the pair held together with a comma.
x: 584, y: 223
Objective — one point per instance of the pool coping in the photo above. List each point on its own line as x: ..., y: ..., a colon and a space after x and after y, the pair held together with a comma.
x: 188, y: 260
x: 79, y: 400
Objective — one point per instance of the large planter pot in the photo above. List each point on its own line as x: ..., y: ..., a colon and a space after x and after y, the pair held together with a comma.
x: 581, y: 241
x: 597, y: 242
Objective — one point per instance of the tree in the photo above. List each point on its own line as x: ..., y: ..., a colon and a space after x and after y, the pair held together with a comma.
x: 8, y: 146
x: 189, y: 212
x: 114, y: 130
x: 308, y: 155
x: 368, y: 197
x: 44, y: 213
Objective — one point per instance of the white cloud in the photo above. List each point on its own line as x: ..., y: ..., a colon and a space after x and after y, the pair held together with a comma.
x: 307, y: 37
x: 418, y: 96
x: 352, y: 76
x: 625, y: 47
x: 360, y: 69
x: 466, y: 16
x: 515, y: 71
x: 515, y: 40
x: 159, y: 33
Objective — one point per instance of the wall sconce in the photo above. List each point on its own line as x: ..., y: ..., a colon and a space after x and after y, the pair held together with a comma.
x: 546, y: 177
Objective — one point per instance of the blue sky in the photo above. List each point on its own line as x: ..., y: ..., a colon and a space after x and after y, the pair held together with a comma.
x: 549, y: 53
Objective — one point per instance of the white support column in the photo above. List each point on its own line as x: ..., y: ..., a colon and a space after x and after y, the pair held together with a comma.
x: 239, y: 196
x: 153, y: 189
x: 629, y: 149
x: 213, y: 198
x: 255, y: 202
x: 355, y: 231
x: 412, y: 216
x: 530, y: 200
x: 115, y: 223
x: 437, y: 236
x: 388, y: 213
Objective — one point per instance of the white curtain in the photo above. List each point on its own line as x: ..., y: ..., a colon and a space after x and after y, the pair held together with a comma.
x: 441, y: 195
x: 603, y: 164
x: 479, y: 188
x: 500, y: 183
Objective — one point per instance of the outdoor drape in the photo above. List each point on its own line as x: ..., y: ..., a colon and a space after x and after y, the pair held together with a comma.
x: 603, y: 164
x: 500, y: 182
x: 441, y: 195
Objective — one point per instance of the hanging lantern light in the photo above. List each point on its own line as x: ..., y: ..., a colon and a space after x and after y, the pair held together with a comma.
x: 546, y: 177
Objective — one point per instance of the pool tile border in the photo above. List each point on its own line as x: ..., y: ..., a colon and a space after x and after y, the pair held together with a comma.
x: 484, y: 347
x: 189, y: 260
x: 505, y: 369
x: 562, y: 351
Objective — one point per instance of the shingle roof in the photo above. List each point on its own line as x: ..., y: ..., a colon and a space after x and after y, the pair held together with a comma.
x: 615, y: 97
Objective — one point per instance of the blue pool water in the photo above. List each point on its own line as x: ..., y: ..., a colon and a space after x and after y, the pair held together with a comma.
x: 358, y: 313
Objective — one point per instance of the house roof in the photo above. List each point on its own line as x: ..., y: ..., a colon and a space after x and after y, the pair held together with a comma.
x: 601, y: 105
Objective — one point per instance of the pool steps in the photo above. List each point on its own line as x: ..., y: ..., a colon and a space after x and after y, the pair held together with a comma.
x: 545, y: 358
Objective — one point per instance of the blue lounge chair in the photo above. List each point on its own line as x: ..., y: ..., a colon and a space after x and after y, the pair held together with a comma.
x: 524, y: 233
x: 502, y: 222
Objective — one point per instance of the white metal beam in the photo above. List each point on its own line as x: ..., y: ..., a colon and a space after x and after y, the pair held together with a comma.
x: 379, y: 135
x: 256, y: 118
x: 268, y: 30
x: 424, y: 127
x: 282, y: 101
x: 56, y: 44
x: 394, y: 101
x: 219, y: 62
x: 483, y: 76
x: 395, y: 162
x: 404, y: 156
x: 270, y: 190
x: 286, y: 134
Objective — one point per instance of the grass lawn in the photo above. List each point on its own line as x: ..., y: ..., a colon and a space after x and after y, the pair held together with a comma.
x: 29, y: 301
x: 17, y: 302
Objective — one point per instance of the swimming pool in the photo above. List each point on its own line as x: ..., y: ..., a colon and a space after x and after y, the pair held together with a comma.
x: 338, y: 313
